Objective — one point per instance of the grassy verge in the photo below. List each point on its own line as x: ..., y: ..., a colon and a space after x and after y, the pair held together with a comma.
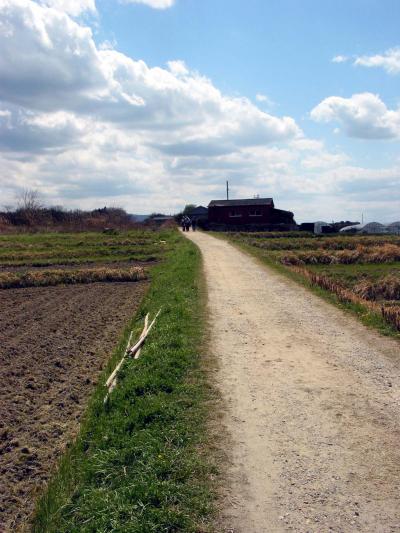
x: 367, y: 317
x: 139, y: 463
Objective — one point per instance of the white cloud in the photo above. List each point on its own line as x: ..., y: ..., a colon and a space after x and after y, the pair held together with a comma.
x: 304, y: 144
x: 339, y: 59
x: 178, y: 68
x: 389, y: 61
x: 56, y: 57
x: 156, y: 4
x: 79, y: 120
x: 266, y: 100
x: 363, y: 115
x: 90, y: 126
x: 59, y: 65
x: 108, y: 45
x: 26, y: 132
x: 324, y: 160
x: 72, y: 7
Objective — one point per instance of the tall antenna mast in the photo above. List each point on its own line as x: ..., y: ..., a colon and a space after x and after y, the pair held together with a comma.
x: 227, y: 189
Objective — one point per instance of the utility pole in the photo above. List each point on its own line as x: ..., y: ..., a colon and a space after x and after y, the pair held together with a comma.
x: 227, y: 189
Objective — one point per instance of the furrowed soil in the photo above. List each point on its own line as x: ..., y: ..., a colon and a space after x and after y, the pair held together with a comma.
x: 54, y: 342
x: 311, y: 423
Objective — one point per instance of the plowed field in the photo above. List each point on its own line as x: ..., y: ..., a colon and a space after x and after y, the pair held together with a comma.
x: 54, y: 342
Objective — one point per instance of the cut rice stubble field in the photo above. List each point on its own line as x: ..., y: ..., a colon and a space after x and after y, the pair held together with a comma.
x: 361, y: 272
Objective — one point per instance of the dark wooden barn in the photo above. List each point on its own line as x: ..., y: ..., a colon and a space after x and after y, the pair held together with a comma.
x: 249, y: 214
x: 199, y: 213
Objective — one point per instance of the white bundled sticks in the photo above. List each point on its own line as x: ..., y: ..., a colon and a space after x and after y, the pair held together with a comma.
x: 146, y: 326
x: 112, y: 380
x: 134, y: 351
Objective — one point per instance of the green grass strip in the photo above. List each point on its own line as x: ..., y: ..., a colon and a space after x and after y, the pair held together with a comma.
x: 140, y: 462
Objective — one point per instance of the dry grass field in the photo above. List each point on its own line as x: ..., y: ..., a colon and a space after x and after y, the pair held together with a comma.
x: 359, y: 270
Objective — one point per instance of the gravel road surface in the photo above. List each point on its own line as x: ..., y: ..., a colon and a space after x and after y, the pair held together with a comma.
x: 312, y: 404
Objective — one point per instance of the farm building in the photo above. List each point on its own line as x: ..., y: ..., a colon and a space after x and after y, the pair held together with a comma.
x: 199, y: 213
x: 317, y: 227
x: 373, y: 228
x: 325, y: 227
x: 249, y: 214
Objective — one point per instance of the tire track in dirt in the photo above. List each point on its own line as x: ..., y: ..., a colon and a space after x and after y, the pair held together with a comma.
x: 312, y: 404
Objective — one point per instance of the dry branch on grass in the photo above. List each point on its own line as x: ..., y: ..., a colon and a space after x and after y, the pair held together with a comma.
x: 45, y: 278
x: 112, y: 377
x: 131, y: 350
x: 134, y: 350
x: 146, y: 326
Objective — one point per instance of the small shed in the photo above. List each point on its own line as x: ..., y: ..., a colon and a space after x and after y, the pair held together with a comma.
x: 249, y: 213
x: 251, y: 210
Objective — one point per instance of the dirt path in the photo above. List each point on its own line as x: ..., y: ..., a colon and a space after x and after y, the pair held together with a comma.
x: 312, y: 404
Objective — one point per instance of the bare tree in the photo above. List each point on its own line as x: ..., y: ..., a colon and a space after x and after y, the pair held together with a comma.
x: 29, y: 206
x: 29, y: 200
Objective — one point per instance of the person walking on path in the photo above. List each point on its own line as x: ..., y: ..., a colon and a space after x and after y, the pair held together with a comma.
x: 185, y: 223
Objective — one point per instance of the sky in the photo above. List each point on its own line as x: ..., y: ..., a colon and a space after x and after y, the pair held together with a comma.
x: 153, y: 104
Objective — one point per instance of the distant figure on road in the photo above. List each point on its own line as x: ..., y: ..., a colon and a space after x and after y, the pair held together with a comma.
x: 194, y: 223
x: 185, y: 223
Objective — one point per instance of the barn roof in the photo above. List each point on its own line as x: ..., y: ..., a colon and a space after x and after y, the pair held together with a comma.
x: 199, y: 210
x: 247, y: 201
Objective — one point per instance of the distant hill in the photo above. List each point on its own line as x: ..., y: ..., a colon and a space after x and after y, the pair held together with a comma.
x: 139, y: 218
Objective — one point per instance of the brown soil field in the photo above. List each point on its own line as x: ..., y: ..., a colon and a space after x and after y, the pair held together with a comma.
x: 54, y: 342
